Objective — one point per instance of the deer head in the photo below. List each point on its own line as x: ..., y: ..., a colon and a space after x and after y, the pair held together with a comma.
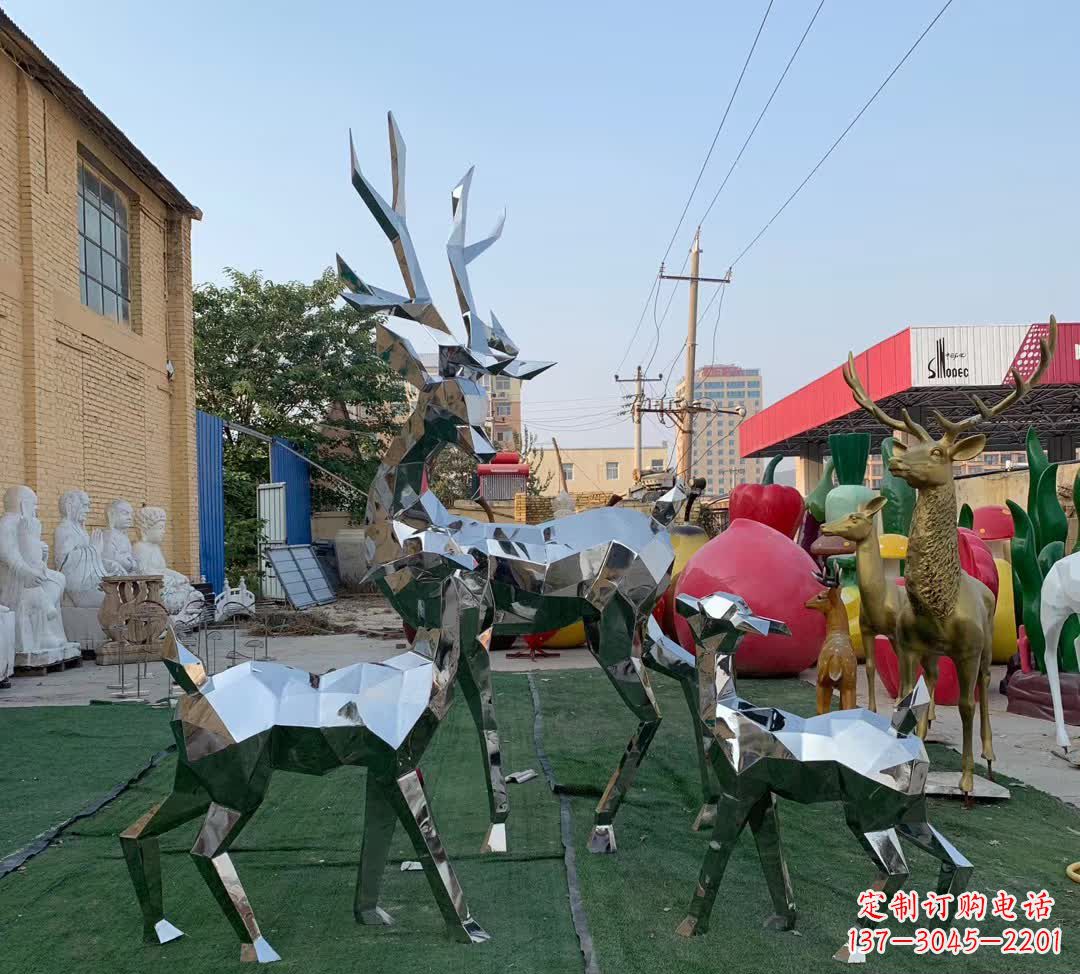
x: 829, y: 597
x: 452, y: 405
x: 927, y: 462
x: 856, y: 526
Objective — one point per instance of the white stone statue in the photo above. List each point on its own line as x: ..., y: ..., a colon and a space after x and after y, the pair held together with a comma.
x: 7, y: 646
x: 184, y: 602
x: 115, y: 544
x: 28, y: 587
x: 76, y: 555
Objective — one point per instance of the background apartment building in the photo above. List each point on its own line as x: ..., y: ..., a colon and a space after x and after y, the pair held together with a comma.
x: 590, y: 469
x: 96, y: 347
x: 716, y: 437
x: 503, y: 422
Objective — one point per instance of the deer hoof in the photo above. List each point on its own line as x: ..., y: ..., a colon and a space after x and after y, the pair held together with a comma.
x: 164, y: 932
x: 602, y: 840
x: 967, y: 783
x: 706, y: 817
x: 780, y: 921
x: 259, y: 951
x: 495, y: 841
x: 691, y: 927
x: 378, y: 917
x: 472, y: 933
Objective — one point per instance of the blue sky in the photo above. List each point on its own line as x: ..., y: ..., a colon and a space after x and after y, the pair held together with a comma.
x: 954, y: 200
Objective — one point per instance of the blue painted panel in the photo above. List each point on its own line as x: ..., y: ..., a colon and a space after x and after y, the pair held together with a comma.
x: 294, y: 472
x: 211, y: 477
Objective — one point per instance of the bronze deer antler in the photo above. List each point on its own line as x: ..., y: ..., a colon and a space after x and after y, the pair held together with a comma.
x: 862, y: 397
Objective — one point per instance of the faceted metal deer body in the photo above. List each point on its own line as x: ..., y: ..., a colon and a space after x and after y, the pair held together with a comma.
x: 875, y: 768
x: 606, y: 566
x: 946, y: 612
x: 233, y: 730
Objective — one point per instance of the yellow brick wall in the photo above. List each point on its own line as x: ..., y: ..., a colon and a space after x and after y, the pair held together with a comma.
x: 86, y: 402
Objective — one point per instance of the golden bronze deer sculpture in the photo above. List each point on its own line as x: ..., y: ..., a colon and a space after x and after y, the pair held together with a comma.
x: 946, y: 612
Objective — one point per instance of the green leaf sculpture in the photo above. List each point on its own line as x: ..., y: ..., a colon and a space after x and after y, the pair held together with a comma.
x: 896, y: 515
x: 966, y: 518
x: 1037, y: 463
x: 849, y: 452
x: 1028, y: 578
x: 815, y: 500
x: 770, y: 470
x: 1076, y: 506
x: 1051, y: 525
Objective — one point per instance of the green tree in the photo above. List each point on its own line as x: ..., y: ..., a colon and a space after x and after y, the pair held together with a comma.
x: 294, y: 361
x: 533, y: 454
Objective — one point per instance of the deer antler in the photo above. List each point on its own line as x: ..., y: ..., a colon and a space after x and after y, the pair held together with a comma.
x: 418, y: 305
x: 860, y: 395
x: 1021, y: 387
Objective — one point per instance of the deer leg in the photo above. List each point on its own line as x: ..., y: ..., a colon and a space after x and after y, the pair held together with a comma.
x: 765, y: 824
x: 474, y: 678
x: 407, y: 798
x: 968, y: 672
x: 142, y: 853
x: 379, y: 823
x: 615, y: 642
x: 870, y: 654
x: 883, y: 847
x: 731, y: 818
x: 909, y: 665
x: 710, y: 788
x: 955, y: 869
x: 930, y: 665
x: 210, y: 852
x: 984, y: 701
x: 824, y: 698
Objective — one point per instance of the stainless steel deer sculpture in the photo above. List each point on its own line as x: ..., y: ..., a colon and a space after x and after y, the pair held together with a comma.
x: 875, y: 768
x: 233, y: 730
x: 606, y: 566
x: 946, y: 612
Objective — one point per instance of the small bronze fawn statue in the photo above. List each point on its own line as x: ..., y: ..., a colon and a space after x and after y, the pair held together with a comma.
x: 946, y: 612
x: 837, y: 665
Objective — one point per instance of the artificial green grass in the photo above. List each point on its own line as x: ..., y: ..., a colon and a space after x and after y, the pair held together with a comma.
x: 635, y: 899
x: 56, y: 760
x: 73, y: 908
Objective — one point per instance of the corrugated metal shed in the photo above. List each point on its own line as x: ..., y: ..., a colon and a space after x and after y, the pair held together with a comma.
x: 211, y: 484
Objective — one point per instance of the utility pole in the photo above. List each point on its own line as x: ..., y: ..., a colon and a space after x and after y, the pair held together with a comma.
x: 686, y: 427
x: 639, y: 381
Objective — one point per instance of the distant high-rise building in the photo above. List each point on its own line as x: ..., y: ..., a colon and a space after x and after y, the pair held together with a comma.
x: 503, y: 421
x: 716, y: 437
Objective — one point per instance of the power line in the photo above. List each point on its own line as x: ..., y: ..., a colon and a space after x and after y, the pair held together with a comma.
x: 776, y: 88
x: 693, y: 190
x: 840, y: 138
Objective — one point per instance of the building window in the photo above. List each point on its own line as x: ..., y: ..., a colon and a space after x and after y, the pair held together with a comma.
x: 502, y: 409
x: 656, y: 464
x: 611, y: 470
x: 502, y: 383
x: 568, y: 471
x: 104, y: 258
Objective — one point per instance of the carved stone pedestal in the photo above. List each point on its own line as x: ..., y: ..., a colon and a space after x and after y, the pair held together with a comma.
x: 133, y: 617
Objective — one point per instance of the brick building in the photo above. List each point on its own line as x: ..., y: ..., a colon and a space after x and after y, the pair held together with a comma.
x: 96, y: 346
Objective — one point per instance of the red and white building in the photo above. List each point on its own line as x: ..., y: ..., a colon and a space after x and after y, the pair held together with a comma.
x: 924, y: 368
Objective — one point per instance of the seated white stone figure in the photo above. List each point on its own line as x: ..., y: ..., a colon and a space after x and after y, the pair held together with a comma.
x: 115, y: 544
x: 28, y: 587
x: 183, y: 601
x: 77, y: 555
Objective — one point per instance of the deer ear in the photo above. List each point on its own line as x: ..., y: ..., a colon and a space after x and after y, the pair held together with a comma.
x: 899, y: 447
x: 969, y: 447
x: 871, y: 507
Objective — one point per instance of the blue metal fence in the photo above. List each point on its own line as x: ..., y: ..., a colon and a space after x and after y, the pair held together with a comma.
x: 294, y: 472
x: 211, y: 480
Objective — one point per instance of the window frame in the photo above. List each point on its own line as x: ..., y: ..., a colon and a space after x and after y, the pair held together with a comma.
x: 568, y: 472
x: 608, y: 464
x: 104, y: 274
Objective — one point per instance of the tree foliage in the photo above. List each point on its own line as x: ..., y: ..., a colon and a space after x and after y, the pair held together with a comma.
x: 290, y: 360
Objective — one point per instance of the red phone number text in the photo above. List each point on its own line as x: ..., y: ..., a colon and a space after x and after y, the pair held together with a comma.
x: 937, y: 940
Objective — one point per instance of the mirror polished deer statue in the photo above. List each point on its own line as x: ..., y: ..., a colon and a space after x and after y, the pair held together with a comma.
x: 945, y: 612
x: 235, y: 729
x: 606, y: 566
x: 876, y: 768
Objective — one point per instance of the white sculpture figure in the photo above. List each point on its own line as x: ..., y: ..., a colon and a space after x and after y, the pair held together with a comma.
x: 239, y: 601
x: 184, y: 602
x: 1060, y: 598
x: 76, y: 555
x: 115, y: 544
x: 28, y: 587
x: 7, y: 646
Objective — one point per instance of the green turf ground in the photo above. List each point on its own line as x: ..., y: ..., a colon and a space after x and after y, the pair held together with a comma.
x: 72, y: 908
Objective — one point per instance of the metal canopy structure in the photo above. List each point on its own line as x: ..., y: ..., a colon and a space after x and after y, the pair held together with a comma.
x: 912, y: 370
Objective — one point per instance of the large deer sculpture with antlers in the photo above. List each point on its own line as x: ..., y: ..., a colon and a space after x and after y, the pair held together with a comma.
x: 606, y: 566
x: 946, y: 612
